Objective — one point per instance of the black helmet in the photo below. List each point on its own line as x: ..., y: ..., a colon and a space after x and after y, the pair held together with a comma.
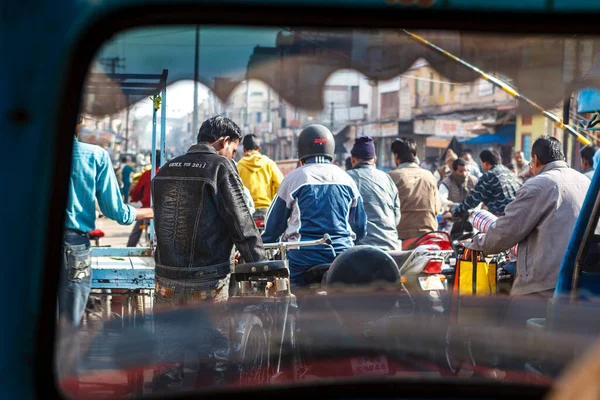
x: 362, y: 265
x: 315, y: 140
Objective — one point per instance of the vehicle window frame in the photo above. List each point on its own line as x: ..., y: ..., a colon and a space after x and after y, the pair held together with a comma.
x: 100, y: 28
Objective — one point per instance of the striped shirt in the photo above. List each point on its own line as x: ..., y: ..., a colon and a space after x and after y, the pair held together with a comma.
x: 93, y: 177
x: 496, y: 189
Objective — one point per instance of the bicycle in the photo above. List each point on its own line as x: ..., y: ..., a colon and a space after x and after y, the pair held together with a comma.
x: 270, y: 323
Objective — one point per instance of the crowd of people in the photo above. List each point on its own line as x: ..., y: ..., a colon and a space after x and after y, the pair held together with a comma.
x: 205, y: 206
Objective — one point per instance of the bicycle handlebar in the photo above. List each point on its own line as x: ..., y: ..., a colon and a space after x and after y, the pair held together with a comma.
x: 285, y: 245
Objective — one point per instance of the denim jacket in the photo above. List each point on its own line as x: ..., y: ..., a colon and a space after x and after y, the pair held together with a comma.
x: 200, y: 213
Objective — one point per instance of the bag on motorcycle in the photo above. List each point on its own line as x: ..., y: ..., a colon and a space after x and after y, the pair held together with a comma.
x: 474, y: 277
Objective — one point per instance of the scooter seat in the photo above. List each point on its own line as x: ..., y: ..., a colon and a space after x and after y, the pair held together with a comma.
x: 400, y: 256
x: 260, y: 267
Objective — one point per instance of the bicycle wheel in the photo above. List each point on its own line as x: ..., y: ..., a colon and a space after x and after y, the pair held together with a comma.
x: 254, y: 362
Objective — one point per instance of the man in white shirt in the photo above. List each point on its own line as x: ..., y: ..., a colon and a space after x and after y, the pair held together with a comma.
x: 473, y: 167
x: 456, y: 187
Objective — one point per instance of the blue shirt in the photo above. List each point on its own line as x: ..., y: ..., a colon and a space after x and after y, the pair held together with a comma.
x: 93, y: 177
x: 126, y: 176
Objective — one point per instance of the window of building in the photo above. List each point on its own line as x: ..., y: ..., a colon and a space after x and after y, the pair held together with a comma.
x: 431, y: 88
x: 526, y: 145
x: 526, y: 120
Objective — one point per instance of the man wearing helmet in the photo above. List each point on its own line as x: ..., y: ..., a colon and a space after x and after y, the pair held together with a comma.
x: 315, y: 199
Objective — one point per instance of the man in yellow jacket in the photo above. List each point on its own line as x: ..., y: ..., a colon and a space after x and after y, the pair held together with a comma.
x: 259, y: 174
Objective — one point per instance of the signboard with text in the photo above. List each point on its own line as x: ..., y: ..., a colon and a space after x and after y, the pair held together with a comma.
x: 439, y: 127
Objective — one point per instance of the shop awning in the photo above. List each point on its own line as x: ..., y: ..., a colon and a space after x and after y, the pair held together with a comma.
x: 504, y: 135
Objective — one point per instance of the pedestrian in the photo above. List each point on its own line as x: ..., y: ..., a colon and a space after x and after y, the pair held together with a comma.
x: 141, y: 192
x: 92, y: 178
x: 545, y: 208
x: 473, y: 167
x: 92, y: 182
x: 380, y: 197
x: 446, y: 169
x: 587, y: 160
x: 521, y: 164
x: 200, y: 215
x: 316, y: 199
x: 496, y: 188
x: 457, y: 186
x: 417, y: 191
x: 259, y: 174
x: 201, y: 194
x: 348, y: 163
x: 126, y: 171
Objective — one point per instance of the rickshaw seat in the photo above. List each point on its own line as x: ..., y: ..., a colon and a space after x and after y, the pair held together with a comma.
x: 260, y: 267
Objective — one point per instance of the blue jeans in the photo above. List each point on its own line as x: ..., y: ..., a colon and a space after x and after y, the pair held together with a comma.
x: 75, y: 277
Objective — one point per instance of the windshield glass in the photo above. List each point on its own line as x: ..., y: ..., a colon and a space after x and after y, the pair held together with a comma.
x: 333, y: 246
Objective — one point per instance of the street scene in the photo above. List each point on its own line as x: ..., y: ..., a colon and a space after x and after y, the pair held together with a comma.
x: 326, y: 205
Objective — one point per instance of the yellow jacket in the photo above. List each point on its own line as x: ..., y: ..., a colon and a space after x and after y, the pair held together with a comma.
x: 261, y: 176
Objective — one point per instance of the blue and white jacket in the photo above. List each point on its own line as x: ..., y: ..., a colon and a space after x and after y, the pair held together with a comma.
x: 315, y: 199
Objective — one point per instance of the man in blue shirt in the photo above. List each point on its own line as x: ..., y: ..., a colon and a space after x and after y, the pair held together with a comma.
x: 92, y: 178
x: 126, y: 171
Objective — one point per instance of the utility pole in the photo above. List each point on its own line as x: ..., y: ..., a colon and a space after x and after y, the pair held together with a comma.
x: 113, y: 63
x: 127, y: 126
x: 196, y: 67
x: 332, y: 116
x: 246, y: 107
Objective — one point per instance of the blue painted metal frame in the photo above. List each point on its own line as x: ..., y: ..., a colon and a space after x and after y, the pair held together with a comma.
x: 564, y: 285
x: 121, y: 252
x: 130, y: 279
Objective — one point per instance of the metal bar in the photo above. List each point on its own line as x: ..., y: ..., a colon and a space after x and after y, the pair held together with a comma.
x: 121, y: 251
x: 285, y: 318
x: 153, y: 172
x: 127, y: 128
x: 118, y: 90
x: 163, y: 126
x: 504, y: 86
x: 584, y: 227
x: 125, y: 76
x: 132, y: 279
x: 196, y: 66
x: 122, y: 85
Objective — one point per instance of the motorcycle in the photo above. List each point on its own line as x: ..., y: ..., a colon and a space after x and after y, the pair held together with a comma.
x: 420, y: 289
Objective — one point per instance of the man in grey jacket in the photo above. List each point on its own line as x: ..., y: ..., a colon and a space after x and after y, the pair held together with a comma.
x: 540, y: 220
x: 380, y: 197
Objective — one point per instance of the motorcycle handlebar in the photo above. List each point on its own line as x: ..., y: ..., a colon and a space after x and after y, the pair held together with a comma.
x: 326, y: 239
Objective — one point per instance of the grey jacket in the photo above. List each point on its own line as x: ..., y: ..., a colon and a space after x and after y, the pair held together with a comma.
x: 540, y: 220
x: 382, y: 206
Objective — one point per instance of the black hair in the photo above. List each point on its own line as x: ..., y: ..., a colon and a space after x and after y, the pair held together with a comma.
x: 547, y: 149
x: 465, y: 152
x: 490, y: 156
x: 587, y: 153
x: 459, y: 162
x: 348, y: 163
x: 405, y: 149
x: 217, y: 127
x: 250, y: 142
x: 125, y: 159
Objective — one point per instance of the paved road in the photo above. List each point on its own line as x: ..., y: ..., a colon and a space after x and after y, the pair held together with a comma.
x: 115, y: 235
